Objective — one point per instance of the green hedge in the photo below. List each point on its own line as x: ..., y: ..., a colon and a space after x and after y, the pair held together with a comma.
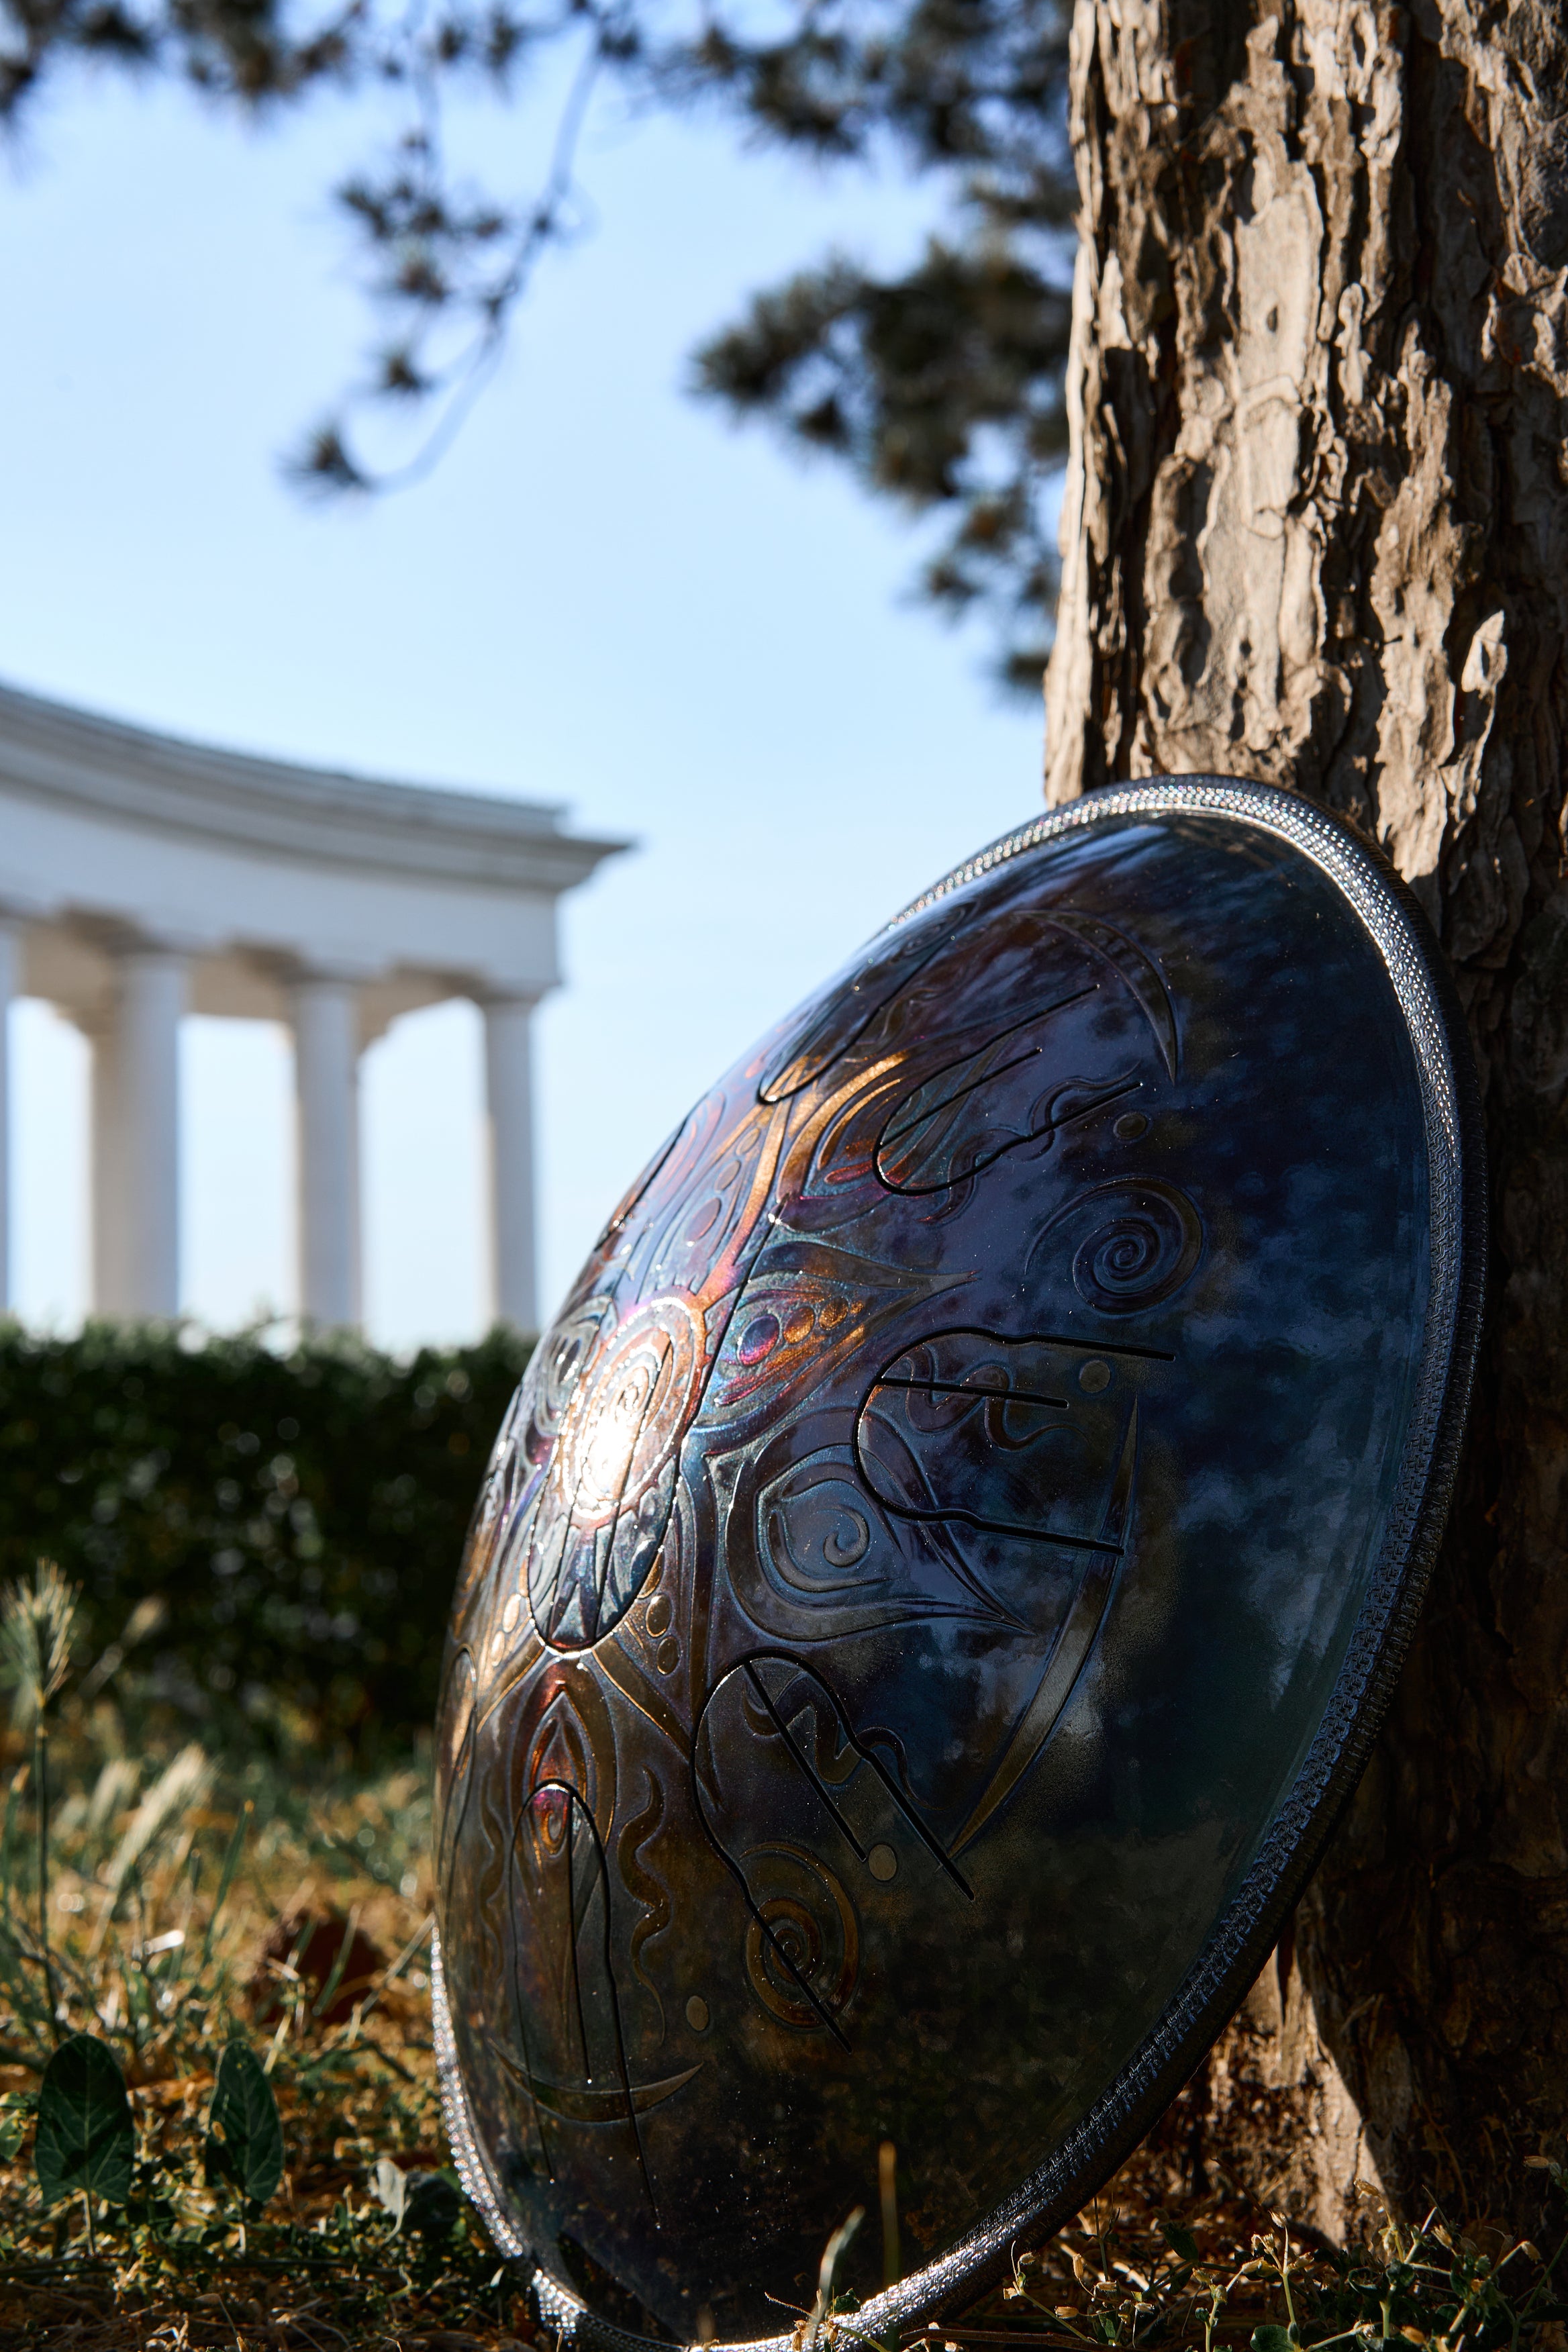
x: 300, y: 1516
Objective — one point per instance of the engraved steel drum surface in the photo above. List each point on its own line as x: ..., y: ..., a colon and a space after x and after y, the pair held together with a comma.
x: 944, y: 1568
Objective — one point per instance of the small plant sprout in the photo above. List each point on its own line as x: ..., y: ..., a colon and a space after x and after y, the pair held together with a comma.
x: 86, y: 2141
x: 245, y: 2131
x: 819, y: 2325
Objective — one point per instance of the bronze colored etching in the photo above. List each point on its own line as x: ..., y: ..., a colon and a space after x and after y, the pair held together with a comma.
x: 917, y: 1557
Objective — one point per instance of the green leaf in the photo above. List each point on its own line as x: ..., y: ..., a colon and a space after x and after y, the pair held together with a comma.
x: 249, y: 2151
x: 86, y: 2138
x: 1272, y: 2340
x: 15, y: 2114
x: 1181, y: 2241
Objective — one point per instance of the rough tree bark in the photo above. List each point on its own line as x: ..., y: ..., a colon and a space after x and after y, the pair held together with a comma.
x: 1318, y: 534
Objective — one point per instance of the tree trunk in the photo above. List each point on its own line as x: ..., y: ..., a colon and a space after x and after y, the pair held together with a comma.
x: 1318, y: 534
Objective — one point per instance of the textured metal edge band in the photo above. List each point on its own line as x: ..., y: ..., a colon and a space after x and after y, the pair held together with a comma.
x: 470, y: 2164
x: 1300, y: 1829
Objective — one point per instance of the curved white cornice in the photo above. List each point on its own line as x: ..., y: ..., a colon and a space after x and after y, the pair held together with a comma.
x: 318, y: 816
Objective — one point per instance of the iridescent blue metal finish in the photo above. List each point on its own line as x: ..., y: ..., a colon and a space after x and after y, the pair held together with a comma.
x: 943, y: 1569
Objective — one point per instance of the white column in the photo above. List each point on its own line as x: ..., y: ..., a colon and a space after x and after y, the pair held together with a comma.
x: 509, y: 1097
x: 109, y: 1285
x: 136, y: 1140
x: 326, y: 1081
x: 10, y: 987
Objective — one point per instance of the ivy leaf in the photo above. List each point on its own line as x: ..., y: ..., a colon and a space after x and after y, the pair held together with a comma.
x: 86, y: 2139
x: 249, y: 2151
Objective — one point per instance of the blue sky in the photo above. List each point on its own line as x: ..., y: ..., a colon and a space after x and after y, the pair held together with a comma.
x: 604, y: 596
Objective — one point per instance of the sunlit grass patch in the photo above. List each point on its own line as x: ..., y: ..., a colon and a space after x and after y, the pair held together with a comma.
x: 219, y: 2122
x: 228, y: 1944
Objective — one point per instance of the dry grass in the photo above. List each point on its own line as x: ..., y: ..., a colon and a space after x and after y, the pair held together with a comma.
x: 144, y: 1955
x: 189, y: 1901
x: 150, y: 1950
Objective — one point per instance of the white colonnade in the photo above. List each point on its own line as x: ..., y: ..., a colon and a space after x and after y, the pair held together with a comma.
x: 142, y: 879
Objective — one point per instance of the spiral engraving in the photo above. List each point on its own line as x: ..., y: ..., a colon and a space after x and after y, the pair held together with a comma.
x: 563, y: 1355
x: 803, y: 1945
x: 1139, y: 1242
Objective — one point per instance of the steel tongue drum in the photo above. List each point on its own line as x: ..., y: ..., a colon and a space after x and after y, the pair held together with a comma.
x: 943, y: 1570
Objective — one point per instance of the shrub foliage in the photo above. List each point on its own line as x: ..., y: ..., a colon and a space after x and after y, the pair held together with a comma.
x: 299, y: 1517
